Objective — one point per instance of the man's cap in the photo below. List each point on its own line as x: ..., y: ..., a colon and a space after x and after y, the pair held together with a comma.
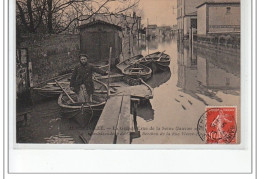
x: 83, y: 55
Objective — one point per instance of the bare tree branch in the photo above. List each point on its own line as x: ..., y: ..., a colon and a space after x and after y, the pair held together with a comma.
x: 41, y: 14
x: 67, y: 4
x: 57, y: 16
x: 133, y: 5
x: 77, y: 18
x: 22, y: 16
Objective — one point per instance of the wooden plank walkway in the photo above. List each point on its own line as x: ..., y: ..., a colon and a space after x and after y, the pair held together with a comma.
x: 114, y: 123
x: 138, y: 91
x: 123, y: 127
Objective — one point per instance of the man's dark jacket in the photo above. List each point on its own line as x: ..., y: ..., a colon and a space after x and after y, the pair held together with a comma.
x: 82, y: 74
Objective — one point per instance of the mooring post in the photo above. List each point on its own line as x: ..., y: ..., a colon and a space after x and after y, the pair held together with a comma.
x: 134, y: 108
x: 134, y: 134
x: 109, y: 69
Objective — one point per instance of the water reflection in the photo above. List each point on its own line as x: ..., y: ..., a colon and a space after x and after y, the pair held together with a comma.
x: 45, y: 125
x: 153, y: 44
x: 159, y: 78
x: 196, y: 78
x: 142, y: 45
x: 200, y: 74
x: 145, y: 111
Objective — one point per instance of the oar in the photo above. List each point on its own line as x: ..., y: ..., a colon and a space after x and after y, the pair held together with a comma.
x: 160, y: 56
x: 65, y: 92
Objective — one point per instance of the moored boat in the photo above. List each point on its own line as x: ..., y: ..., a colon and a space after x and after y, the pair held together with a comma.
x: 138, y: 71
x: 158, y: 61
x: 49, y: 89
x: 124, y: 64
x: 83, y: 113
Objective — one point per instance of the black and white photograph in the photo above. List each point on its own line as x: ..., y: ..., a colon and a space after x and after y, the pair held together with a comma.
x: 129, y: 87
x: 128, y: 72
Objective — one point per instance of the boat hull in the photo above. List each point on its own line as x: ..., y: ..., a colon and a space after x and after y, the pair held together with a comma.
x: 161, y: 66
x: 124, y: 64
x: 157, y: 61
x: 83, y: 113
x: 157, y: 67
x: 142, y: 72
x: 49, y: 90
x: 144, y: 77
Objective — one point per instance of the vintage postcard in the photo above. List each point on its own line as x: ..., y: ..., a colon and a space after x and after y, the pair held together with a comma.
x: 128, y: 72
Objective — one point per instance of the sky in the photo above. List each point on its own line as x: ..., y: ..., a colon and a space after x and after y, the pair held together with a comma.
x: 160, y: 12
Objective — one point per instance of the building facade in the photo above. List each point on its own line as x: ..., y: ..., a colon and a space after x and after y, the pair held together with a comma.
x: 131, y: 29
x: 187, y: 15
x: 164, y: 31
x: 96, y: 38
x: 207, y: 16
x: 218, y: 17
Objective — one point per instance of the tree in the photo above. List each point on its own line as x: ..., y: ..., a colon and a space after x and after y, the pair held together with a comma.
x: 30, y: 14
x: 56, y: 16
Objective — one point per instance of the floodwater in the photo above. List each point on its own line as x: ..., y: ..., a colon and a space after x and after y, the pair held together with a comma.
x: 196, y: 78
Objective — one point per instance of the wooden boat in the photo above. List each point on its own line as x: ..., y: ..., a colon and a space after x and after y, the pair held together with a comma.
x: 49, y: 89
x: 124, y: 64
x: 83, y: 113
x: 138, y: 71
x: 122, y: 85
x: 158, y: 61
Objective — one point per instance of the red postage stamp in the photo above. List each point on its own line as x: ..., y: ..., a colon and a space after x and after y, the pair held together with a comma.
x: 221, y: 125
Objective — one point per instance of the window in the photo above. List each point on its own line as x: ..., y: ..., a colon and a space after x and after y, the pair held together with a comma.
x: 193, y: 23
x: 228, y: 10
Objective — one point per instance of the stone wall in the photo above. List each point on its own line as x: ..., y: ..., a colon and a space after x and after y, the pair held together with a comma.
x: 51, y: 55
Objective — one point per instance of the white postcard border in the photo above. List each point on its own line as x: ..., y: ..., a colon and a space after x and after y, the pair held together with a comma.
x: 24, y: 158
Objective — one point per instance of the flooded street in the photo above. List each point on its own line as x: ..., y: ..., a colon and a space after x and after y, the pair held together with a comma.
x: 194, y: 80
x: 165, y: 81
x: 181, y: 94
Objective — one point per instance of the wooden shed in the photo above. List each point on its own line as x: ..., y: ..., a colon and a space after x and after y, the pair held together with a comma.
x: 97, y: 37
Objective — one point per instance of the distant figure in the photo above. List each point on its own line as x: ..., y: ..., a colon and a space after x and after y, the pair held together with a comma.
x: 81, y: 81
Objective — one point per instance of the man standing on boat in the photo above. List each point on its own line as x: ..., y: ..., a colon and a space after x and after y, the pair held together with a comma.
x: 81, y: 81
